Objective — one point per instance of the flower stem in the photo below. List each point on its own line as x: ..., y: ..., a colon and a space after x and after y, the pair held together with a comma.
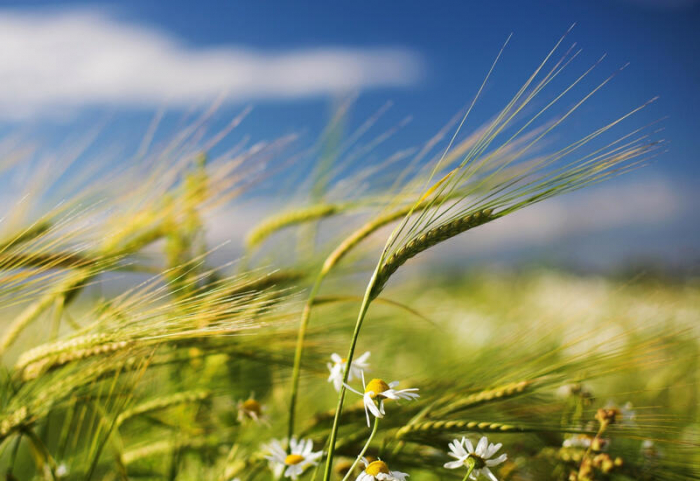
x: 364, y: 450
x: 471, y: 468
x: 305, y: 315
x: 366, y: 300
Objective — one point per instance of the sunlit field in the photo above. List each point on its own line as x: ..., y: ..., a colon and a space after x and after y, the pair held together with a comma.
x: 334, y: 346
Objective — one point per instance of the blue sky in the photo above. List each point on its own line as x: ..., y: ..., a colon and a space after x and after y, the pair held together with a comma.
x: 428, y: 58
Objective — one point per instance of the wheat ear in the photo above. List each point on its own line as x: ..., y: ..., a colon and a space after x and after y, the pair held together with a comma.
x: 425, y: 241
x: 499, y: 393
x: 431, y: 427
x: 299, y: 216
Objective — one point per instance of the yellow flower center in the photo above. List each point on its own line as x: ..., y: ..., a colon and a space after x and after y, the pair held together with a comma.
x: 253, y: 406
x: 376, y: 386
x: 377, y: 467
x: 293, y: 459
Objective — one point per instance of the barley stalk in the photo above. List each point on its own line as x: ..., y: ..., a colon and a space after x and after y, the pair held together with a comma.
x: 331, y: 261
x: 35, y: 230
x: 425, y: 241
x: 299, y: 216
x: 68, y: 286
x: 488, y: 395
x: 433, y: 427
x: 50, y: 260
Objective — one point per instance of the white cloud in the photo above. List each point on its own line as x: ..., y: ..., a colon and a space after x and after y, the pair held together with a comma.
x: 54, y: 61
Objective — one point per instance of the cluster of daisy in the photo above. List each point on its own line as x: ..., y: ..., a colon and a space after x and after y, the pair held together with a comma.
x: 300, y: 455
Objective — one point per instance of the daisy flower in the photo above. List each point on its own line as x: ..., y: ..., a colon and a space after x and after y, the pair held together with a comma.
x: 300, y: 457
x: 377, y: 391
x: 378, y: 470
x: 478, y: 460
x: 251, y: 409
x: 337, y: 369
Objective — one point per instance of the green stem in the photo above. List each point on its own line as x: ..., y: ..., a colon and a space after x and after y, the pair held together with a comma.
x: 471, y: 468
x: 333, y: 258
x: 364, y: 450
x: 366, y: 300
x: 296, y: 372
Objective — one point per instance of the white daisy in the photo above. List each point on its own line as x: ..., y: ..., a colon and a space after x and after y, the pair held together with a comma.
x: 377, y: 391
x: 251, y: 409
x: 478, y: 460
x: 300, y: 457
x: 337, y: 369
x: 378, y: 470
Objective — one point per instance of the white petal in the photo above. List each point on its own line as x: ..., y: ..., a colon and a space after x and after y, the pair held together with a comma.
x: 294, y: 471
x: 481, y: 447
x: 277, y: 470
x: 363, y: 358
x: 353, y: 390
x: 312, y: 458
x: 456, y: 448
x: 369, y: 403
x: 496, y: 461
x: 488, y: 473
x: 393, y: 384
x: 390, y: 394
x: 469, y: 445
x: 493, y: 449
x: 336, y: 358
x: 454, y: 464
x: 308, y: 447
x: 407, y: 394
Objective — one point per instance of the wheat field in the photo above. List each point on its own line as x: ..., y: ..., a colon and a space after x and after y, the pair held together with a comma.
x: 331, y: 348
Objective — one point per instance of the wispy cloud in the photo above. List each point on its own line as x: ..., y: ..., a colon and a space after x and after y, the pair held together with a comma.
x: 50, y: 62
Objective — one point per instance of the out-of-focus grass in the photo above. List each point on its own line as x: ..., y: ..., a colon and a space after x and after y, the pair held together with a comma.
x: 622, y: 341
